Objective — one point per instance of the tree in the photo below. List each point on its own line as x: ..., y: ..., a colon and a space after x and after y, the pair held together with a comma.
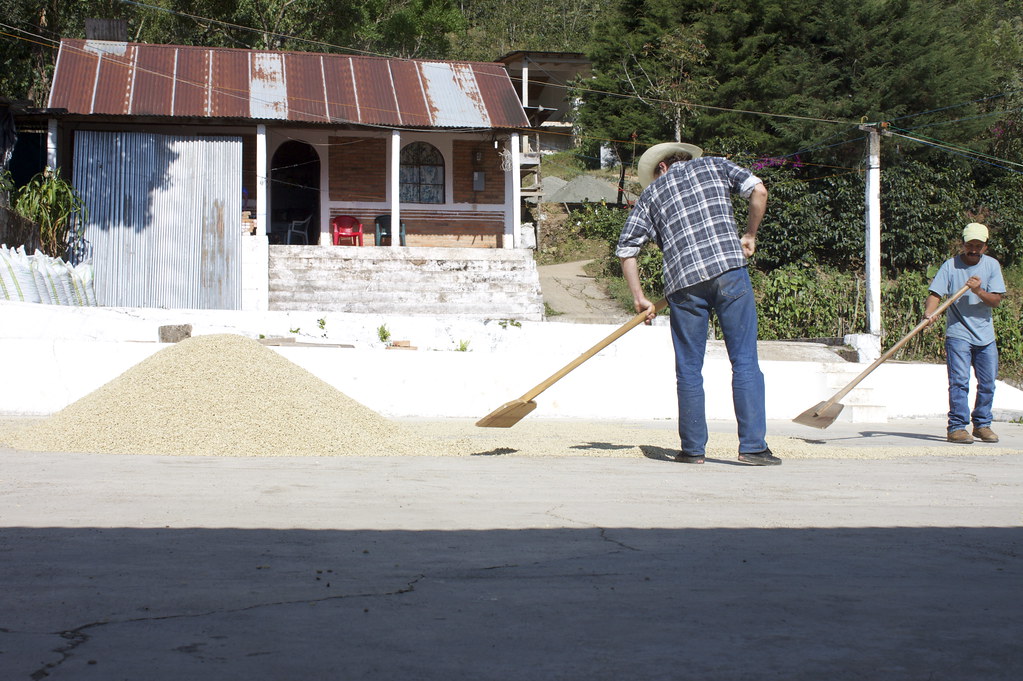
x: 881, y: 60
x: 644, y: 79
x: 497, y: 27
x: 1007, y: 130
x: 401, y: 28
x: 790, y: 76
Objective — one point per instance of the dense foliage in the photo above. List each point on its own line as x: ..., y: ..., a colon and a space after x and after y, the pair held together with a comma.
x: 787, y: 77
x: 432, y: 29
x: 820, y: 220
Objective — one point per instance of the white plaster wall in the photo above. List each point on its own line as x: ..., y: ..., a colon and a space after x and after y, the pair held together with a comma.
x: 255, y: 273
x: 53, y: 356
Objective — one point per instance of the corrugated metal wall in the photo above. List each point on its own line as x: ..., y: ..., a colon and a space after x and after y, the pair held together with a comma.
x: 164, y: 227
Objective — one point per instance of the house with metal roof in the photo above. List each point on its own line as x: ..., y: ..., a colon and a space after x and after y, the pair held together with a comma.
x: 199, y: 164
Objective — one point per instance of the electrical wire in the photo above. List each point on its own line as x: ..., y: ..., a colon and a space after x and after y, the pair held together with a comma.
x: 283, y: 36
x: 962, y: 151
x: 228, y: 92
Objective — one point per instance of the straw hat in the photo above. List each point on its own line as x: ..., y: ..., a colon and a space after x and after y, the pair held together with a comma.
x: 657, y: 153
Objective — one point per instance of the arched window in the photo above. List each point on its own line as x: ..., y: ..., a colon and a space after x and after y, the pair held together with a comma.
x: 421, y: 174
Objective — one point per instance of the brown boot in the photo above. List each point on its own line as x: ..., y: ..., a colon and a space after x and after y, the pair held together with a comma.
x: 960, y: 437
x: 985, y: 434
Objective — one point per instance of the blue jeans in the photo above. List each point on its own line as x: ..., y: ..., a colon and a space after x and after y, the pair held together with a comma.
x: 730, y: 296
x: 960, y: 356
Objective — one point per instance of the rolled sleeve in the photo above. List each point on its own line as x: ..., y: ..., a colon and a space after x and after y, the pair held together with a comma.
x: 627, y: 251
x: 747, y: 186
x: 636, y: 232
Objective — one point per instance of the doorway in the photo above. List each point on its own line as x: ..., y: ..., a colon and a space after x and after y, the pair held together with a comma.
x: 294, y: 193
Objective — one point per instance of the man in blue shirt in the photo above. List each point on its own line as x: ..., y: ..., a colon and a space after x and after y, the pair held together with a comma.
x: 969, y: 333
x: 686, y: 209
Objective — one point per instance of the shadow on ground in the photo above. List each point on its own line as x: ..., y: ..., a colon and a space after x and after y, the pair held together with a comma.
x: 592, y: 603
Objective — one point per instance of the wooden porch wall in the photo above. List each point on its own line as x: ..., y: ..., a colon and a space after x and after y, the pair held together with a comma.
x: 446, y: 229
x: 465, y: 164
x: 357, y: 169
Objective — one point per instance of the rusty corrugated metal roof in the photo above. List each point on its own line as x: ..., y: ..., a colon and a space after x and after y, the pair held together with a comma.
x: 133, y: 79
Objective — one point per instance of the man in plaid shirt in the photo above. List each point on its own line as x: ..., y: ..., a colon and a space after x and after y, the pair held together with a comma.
x: 686, y: 209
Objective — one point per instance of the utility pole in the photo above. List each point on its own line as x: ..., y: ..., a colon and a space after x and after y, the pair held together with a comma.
x: 873, y: 227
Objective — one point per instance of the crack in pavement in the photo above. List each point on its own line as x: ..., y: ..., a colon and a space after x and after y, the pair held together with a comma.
x: 603, y: 535
x: 79, y: 635
x: 602, y: 530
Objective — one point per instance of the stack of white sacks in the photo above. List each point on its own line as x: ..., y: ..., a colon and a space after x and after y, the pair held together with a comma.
x: 41, y: 279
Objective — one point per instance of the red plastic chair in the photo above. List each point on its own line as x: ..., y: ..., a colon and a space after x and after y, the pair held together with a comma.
x: 346, y: 227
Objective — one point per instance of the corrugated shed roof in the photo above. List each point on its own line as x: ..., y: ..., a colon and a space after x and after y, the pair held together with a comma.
x: 133, y: 79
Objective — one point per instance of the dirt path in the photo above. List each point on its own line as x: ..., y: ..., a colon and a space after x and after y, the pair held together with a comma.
x: 572, y: 293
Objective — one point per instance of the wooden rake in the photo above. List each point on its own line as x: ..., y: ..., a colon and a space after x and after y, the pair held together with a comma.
x: 510, y: 413
x: 823, y: 414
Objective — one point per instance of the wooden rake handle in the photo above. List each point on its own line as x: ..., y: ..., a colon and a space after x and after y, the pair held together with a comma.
x: 618, y: 333
x: 895, y: 348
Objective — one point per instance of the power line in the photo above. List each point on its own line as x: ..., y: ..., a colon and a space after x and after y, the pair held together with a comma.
x: 962, y: 151
x: 545, y: 84
x: 284, y: 36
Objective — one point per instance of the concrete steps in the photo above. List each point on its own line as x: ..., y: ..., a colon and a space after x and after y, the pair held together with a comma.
x: 863, y: 404
x: 450, y: 282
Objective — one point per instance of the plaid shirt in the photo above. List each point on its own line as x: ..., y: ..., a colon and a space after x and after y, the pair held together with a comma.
x: 687, y: 212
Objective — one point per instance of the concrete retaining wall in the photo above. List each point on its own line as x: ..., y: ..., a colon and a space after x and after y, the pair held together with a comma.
x: 478, y: 283
x: 56, y: 355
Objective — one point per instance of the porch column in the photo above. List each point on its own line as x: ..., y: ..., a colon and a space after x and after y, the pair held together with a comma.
x: 516, y: 193
x: 395, y: 188
x: 51, y: 143
x: 262, y: 186
x: 525, y: 100
x: 255, y: 252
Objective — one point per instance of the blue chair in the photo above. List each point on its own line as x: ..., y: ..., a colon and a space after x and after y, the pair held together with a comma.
x: 383, y: 229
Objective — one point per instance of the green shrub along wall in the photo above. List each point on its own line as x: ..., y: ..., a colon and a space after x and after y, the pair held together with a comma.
x: 808, y: 269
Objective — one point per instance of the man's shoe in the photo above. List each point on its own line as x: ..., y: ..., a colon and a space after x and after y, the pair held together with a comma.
x: 764, y: 458
x: 960, y: 437
x: 682, y: 457
x: 984, y: 434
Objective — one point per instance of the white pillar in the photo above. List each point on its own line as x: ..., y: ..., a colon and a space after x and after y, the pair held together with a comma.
x: 516, y: 193
x: 525, y: 82
x: 395, y: 183
x: 524, y: 147
x: 262, y: 183
x: 51, y: 143
x: 255, y: 253
x: 873, y: 230
x: 326, y: 231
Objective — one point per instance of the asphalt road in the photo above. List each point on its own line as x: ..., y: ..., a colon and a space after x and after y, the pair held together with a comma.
x: 512, y: 567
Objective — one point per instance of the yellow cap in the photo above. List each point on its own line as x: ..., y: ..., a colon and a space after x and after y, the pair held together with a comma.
x: 975, y: 232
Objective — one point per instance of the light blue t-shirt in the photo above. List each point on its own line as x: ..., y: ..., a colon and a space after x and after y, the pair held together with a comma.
x: 969, y: 318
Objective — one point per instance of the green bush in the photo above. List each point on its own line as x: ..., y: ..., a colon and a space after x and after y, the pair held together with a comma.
x: 808, y: 269
x: 600, y: 221
x: 54, y: 205
x: 808, y: 302
x: 1001, y: 209
x: 820, y: 220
